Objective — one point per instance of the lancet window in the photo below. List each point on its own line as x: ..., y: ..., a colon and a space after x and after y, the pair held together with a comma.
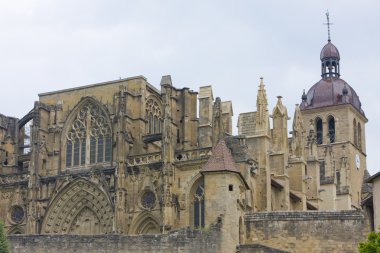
x: 154, y: 117
x: 199, y: 206
x: 355, y: 133
x: 88, y: 140
x: 319, y: 130
x: 331, y: 122
x: 359, y: 136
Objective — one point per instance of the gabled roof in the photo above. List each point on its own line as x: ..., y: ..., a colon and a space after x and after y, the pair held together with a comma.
x: 221, y: 159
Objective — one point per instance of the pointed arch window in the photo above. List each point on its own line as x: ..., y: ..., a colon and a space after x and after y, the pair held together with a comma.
x: 319, y: 130
x: 199, y: 205
x: 359, y: 136
x: 331, y: 122
x: 355, y: 133
x: 154, y: 117
x: 88, y: 140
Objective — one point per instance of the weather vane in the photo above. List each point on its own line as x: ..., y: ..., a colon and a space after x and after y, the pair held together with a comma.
x: 328, y: 25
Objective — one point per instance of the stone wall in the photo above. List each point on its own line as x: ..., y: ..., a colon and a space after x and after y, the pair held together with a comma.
x: 183, y: 241
x: 258, y: 248
x: 338, y: 231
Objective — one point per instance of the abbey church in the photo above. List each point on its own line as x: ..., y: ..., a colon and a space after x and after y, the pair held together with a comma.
x: 130, y: 158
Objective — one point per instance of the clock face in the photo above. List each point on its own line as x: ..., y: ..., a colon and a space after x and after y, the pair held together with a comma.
x: 357, y: 161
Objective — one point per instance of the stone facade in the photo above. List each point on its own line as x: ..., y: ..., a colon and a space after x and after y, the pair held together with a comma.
x: 128, y: 158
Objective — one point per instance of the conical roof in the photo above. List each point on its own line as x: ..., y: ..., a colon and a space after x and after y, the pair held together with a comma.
x: 221, y: 159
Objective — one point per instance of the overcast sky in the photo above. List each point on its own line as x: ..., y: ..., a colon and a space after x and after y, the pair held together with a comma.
x: 51, y: 45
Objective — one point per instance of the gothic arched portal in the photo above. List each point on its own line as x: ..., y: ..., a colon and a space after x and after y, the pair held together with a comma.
x: 145, y: 223
x: 80, y: 207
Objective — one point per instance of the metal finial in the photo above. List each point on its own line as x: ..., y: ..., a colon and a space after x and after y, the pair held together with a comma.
x: 328, y: 25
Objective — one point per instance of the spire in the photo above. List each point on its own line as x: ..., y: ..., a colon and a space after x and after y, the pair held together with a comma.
x: 279, y: 131
x: 298, y: 142
x: 262, y: 115
x: 218, y: 127
x: 297, y: 120
x: 280, y: 108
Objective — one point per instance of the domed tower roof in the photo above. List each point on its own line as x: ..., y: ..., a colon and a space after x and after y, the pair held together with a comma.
x: 330, y: 51
x: 330, y: 90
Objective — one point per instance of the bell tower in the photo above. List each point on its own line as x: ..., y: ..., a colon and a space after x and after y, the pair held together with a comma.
x: 335, y: 111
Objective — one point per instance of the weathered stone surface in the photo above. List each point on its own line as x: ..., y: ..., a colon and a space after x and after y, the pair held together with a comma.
x: 185, y: 240
x: 313, y: 231
x: 247, y: 123
x: 258, y: 248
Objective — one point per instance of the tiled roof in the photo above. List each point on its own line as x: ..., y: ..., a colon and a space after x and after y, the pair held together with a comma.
x: 366, y: 187
x: 371, y: 179
x: 221, y: 159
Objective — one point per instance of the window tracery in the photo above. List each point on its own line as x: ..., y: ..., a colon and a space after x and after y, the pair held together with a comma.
x: 154, y: 117
x: 88, y: 140
x: 148, y: 200
x: 17, y: 214
x: 199, y: 206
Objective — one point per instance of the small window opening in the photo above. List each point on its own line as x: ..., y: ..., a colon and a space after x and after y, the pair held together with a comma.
x: 230, y: 187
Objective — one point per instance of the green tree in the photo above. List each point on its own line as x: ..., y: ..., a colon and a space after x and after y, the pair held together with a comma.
x: 372, y: 245
x: 4, y: 246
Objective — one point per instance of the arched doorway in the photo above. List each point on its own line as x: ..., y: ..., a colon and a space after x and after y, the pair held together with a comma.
x: 81, y: 207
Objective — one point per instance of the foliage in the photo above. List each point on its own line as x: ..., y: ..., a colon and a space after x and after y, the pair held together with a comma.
x: 372, y: 245
x: 4, y: 247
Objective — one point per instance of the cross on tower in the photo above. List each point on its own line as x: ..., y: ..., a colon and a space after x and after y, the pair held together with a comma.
x: 328, y: 25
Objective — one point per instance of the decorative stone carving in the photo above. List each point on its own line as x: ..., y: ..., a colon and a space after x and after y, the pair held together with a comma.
x: 78, y: 200
x: 144, y: 159
x: 10, y: 179
x: 193, y: 155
